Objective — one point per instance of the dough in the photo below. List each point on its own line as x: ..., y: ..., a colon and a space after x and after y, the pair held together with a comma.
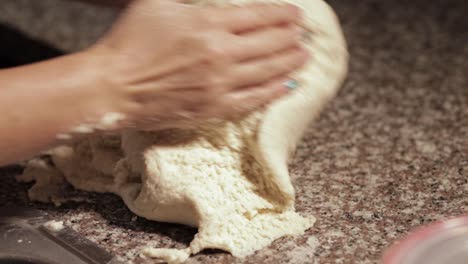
x: 230, y: 180
x: 54, y: 226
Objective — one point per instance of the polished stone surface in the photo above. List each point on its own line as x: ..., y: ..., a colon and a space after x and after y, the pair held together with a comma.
x: 390, y: 153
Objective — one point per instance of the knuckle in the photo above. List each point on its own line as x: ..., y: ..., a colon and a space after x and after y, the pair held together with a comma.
x: 210, y: 21
x: 215, y: 81
x: 212, y: 83
x: 187, y: 43
x: 298, y: 59
x: 215, y: 53
x: 213, y: 47
x: 287, y: 63
x: 258, y: 100
x: 207, y: 18
x: 210, y: 47
x: 217, y: 114
x: 209, y: 111
x: 290, y: 34
x: 269, y: 68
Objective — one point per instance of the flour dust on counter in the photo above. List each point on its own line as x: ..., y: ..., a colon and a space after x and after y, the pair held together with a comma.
x: 230, y: 179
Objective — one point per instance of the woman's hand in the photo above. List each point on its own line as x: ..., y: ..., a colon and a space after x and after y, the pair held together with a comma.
x: 168, y: 64
x: 164, y: 64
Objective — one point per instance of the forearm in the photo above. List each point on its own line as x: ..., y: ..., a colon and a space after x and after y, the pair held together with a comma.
x: 40, y: 101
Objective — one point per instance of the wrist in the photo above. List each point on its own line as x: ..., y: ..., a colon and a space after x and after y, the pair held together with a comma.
x: 104, y: 104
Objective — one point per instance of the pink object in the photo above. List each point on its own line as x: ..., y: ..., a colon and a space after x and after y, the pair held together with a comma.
x: 442, y: 242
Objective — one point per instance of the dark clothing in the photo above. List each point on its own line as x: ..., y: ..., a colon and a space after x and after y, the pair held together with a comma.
x: 18, y: 49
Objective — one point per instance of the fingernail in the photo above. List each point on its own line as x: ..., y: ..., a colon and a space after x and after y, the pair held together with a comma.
x: 291, y: 84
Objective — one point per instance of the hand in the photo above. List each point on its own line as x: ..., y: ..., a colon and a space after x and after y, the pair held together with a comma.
x: 168, y: 64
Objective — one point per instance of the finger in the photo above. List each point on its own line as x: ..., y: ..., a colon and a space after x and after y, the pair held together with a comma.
x: 267, y: 68
x: 251, y: 16
x: 265, y: 42
x: 190, y: 78
x: 244, y: 101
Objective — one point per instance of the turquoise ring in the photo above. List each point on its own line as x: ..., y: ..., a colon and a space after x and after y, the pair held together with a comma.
x: 291, y: 84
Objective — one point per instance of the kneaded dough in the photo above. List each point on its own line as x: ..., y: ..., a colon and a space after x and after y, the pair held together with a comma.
x: 230, y: 180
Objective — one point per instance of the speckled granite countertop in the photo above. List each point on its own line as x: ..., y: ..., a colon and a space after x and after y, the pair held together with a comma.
x: 390, y: 153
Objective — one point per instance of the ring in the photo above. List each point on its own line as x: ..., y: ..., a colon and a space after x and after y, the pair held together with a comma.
x: 291, y: 84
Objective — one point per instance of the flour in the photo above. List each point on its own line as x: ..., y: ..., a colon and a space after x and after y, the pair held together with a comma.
x: 54, y: 226
x: 107, y: 122
x: 63, y: 136
x: 229, y: 179
x: 110, y: 121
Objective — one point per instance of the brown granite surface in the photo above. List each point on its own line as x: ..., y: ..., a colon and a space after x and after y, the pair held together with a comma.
x: 390, y: 153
